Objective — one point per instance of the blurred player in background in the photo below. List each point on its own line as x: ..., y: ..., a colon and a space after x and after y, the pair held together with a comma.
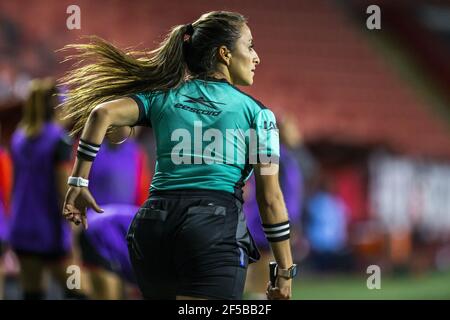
x: 41, y: 154
x: 105, y: 252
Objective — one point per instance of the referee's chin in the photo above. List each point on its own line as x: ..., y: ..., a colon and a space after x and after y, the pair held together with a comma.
x: 247, y: 82
x: 251, y: 78
x: 244, y: 81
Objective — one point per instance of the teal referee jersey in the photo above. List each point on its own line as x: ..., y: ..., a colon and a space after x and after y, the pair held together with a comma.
x: 208, y: 134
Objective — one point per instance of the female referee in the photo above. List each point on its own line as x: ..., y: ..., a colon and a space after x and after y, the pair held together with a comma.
x: 189, y: 240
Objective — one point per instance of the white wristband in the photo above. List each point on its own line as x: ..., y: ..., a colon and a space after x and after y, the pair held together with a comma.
x: 78, y: 182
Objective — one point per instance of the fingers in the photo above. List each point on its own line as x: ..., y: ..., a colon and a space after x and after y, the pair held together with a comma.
x: 84, y: 222
x: 67, y: 214
x: 69, y: 211
x: 91, y: 202
x: 75, y: 206
x: 275, y: 293
x: 268, y: 295
x: 72, y: 214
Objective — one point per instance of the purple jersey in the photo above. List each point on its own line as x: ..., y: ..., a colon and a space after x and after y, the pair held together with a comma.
x: 2, y: 222
x: 114, y: 174
x: 291, y: 183
x: 36, y: 222
x: 107, y: 234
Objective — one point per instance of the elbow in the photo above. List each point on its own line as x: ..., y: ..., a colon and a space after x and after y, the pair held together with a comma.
x: 100, y: 113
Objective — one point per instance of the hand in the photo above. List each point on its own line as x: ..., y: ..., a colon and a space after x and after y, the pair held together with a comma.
x: 282, y: 291
x: 78, y: 199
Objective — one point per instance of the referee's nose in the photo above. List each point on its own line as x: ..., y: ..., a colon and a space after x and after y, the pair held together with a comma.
x: 256, y: 59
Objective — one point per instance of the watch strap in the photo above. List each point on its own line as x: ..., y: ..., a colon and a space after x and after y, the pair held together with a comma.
x: 78, y: 182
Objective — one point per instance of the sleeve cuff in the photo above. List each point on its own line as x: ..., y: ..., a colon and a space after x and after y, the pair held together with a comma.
x: 142, y: 117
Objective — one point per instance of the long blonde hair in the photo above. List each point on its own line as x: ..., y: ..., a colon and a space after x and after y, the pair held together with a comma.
x: 39, y: 106
x: 111, y: 73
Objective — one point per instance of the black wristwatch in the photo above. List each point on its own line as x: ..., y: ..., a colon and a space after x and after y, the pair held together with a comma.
x: 287, y: 273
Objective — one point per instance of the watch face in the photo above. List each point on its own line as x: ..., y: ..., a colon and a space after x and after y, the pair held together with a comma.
x: 294, y: 271
x: 288, y: 273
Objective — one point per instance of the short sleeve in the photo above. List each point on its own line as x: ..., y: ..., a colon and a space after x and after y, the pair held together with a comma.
x: 64, y: 149
x: 264, y: 140
x: 144, y: 102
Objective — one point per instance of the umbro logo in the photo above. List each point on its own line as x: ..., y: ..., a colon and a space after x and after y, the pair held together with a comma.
x: 203, y: 102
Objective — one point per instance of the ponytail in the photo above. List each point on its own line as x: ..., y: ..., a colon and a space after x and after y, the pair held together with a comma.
x: 111, y: 73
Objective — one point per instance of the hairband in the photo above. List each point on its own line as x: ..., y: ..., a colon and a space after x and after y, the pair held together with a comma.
x: 189, y: 32
x: 189, y: 29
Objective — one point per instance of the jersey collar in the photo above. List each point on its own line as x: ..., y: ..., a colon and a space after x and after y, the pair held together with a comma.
x: 214, y: 80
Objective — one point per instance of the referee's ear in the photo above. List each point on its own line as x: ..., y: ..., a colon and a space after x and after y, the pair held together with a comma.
x: 224, y: 55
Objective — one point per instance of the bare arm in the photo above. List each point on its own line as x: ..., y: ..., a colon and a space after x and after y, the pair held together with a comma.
x: 120, y: 112
x: 62, y: 173
x: 273, y: 210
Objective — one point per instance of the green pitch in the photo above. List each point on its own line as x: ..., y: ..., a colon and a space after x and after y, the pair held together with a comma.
x: 427, y: 286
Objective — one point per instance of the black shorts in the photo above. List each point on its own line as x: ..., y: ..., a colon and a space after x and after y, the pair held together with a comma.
x: 90, y: 256
x: 191, y: 243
